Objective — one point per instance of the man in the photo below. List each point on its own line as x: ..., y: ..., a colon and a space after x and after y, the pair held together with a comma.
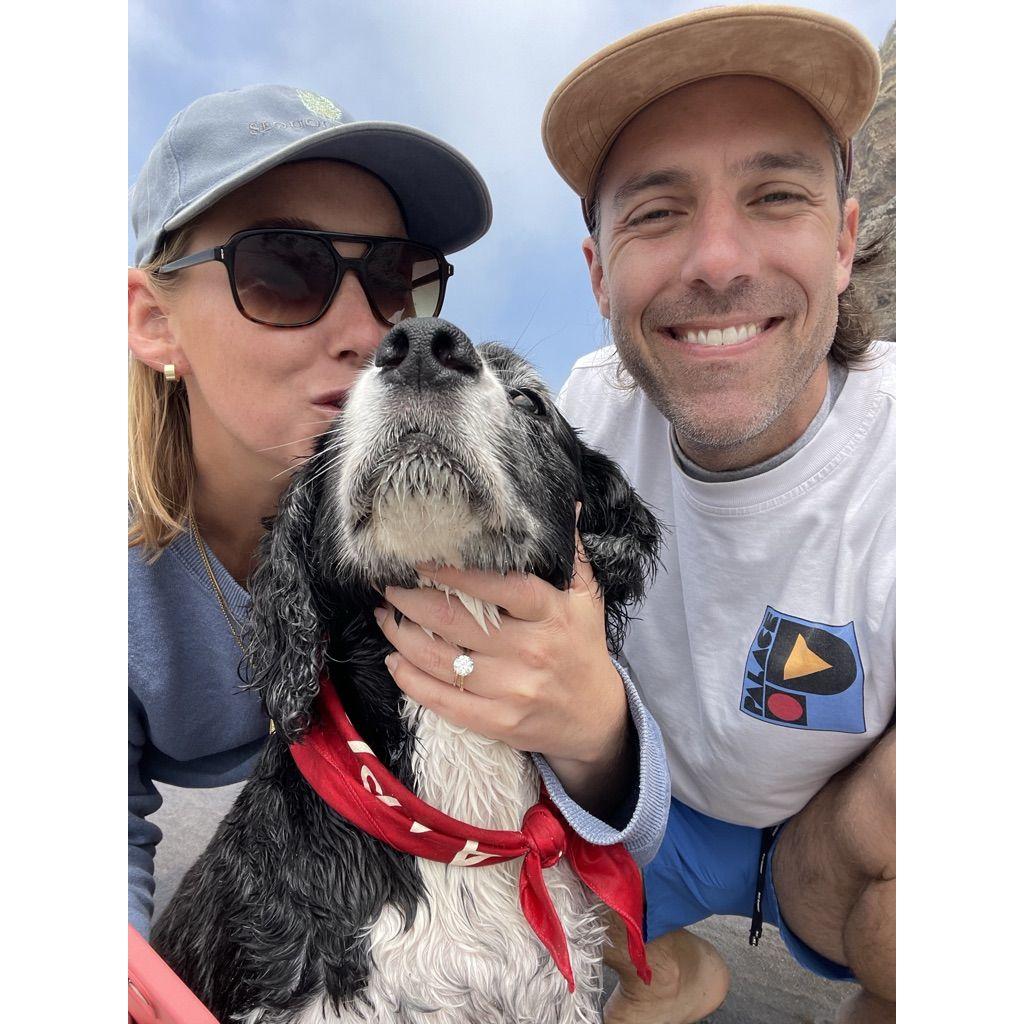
x: 712, y: 155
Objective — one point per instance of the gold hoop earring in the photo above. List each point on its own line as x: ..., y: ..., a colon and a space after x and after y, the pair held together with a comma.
x: 170, y: 374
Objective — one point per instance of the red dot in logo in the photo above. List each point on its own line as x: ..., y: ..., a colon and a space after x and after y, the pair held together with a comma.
x: 787, y: 708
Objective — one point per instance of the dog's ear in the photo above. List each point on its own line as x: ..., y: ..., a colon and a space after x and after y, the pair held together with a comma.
x: 286, y: 630
x: 621, y: 537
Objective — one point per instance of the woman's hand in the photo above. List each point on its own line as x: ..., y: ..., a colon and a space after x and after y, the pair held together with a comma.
x: 541, y: 682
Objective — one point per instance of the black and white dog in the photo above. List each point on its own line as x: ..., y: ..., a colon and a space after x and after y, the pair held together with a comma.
x: 449, y: 454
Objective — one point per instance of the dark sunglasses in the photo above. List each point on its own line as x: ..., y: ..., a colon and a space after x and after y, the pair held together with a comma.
x: 286, y: 277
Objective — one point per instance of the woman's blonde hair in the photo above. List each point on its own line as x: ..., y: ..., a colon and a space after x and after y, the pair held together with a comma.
x: 161, y: 469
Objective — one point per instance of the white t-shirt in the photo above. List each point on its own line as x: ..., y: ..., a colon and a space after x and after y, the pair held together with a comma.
x: 766, y: 647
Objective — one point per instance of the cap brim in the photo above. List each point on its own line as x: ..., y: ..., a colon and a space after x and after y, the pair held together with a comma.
x: 823, y: 59
x: 443, y: 199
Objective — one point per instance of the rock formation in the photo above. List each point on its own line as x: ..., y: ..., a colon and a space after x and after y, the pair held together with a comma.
x: 874, y: 184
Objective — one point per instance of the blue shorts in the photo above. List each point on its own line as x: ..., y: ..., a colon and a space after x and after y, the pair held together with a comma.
x: 707, y: 867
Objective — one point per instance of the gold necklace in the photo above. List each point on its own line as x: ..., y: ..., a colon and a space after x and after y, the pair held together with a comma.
x: 232, y: 624
x: 201, y: 548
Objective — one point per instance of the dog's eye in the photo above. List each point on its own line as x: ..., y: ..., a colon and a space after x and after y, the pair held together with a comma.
x: 528, y: 401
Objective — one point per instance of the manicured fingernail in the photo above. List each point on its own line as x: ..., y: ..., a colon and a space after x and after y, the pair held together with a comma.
x: 390, y: 661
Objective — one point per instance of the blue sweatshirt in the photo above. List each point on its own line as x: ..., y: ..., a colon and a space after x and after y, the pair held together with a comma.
x: 191, y: 724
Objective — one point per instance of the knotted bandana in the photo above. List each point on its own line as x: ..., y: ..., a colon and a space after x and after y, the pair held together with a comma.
x: 348, y: 776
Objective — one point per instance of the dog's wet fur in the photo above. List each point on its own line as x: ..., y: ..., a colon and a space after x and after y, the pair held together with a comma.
x: 444, y: 453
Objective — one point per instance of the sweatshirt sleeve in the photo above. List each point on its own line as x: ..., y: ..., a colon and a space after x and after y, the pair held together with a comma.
x: 646, y: 811
x: 143, y: 835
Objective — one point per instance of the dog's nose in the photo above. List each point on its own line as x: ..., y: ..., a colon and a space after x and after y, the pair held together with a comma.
x: 427, y: 352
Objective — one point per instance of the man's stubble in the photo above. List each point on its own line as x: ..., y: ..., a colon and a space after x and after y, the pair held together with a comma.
x: 679, y: 391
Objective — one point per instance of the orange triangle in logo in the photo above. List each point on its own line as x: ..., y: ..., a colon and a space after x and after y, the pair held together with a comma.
x: 802, y: 661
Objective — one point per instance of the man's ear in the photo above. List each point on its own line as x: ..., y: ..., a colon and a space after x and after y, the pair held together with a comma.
x: 150, y: 337
x: 593, y: 259
x: 847, y: 244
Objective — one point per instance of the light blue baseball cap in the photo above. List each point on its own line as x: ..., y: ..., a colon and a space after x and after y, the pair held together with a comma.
x: 222, y: 141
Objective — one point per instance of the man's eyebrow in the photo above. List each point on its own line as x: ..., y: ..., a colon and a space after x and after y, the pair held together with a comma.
x: 650, y: 179
x: 767, y: 161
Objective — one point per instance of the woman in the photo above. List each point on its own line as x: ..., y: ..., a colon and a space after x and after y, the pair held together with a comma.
x: 235, y: 371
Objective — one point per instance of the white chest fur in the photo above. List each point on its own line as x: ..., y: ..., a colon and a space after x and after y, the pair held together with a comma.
x: 470, y: 956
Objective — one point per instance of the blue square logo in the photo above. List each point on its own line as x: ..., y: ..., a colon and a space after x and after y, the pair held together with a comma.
x: 804, y: 675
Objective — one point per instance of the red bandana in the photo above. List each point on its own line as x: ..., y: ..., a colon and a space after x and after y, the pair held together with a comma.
x: 347, y: 775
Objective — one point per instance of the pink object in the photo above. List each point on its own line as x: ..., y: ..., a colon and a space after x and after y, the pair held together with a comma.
x: 156, y: 995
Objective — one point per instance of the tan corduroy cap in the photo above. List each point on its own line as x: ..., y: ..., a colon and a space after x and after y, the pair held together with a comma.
x: 823, y: 59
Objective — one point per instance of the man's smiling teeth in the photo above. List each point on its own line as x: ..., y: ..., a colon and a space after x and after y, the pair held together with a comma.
x: 714, y: 336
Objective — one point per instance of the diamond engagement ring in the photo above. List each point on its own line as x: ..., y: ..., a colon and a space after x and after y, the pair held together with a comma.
x: 462, y: 666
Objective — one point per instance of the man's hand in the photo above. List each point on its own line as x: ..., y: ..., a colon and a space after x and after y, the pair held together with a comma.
x: 541, y: 682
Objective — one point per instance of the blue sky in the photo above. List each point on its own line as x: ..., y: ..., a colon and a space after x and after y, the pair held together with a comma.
x: 475, y: 73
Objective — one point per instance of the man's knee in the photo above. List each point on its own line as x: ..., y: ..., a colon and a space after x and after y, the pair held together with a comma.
x: 865, y: 811
x: 841, y: 845
x: 875, y: 772
x: 849, y: 829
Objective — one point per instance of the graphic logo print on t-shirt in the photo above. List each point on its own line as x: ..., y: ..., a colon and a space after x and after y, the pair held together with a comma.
x: 804, y: 675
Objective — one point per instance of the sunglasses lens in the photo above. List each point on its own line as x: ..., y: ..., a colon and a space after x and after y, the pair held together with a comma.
x: 404, y: 280
x: 282, y: 278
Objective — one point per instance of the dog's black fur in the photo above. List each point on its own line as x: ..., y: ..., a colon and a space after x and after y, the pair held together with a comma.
x: 273, y: 912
